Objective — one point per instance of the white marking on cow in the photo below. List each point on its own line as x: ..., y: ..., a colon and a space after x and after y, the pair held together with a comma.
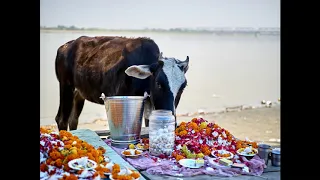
x: 174, y: 74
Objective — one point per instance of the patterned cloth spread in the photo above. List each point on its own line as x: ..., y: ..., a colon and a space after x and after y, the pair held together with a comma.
x: 172, y: 168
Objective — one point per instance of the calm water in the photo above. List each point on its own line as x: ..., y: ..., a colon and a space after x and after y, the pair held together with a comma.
x: 223, y: 71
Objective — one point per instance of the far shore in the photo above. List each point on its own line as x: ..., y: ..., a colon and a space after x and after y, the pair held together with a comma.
x: 117, y: 31
x: 193, y: 32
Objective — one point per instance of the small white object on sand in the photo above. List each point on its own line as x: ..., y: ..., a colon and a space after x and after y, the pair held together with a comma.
x: 268, y: 103
x: 201, y: 111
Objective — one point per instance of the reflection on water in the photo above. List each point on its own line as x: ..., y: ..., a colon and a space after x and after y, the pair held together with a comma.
x: 223, y: 70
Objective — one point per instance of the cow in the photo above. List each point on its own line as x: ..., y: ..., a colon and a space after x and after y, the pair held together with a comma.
x: 87, y: 66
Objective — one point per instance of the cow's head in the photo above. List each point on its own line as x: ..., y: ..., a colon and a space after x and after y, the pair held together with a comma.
x: 167, y: 80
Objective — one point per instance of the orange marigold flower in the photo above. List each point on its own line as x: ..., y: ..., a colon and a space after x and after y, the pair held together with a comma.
x: 254, y: 145
x: 64, y: 133
x: 135, y: 175
x: 224, y: 155
x: 238, y: 147
x: 116, y: 168
x: 101, y: 170
x: 70, y: 177
x: 77, y: 145
x: 124, y: 177
x: 136, y: 152
x: 178, y: 157
x: 102, y: 149
x: 97, y: 159
x: 49, y: 160
x: 44, y: 131
x: 193, y: 126
x: 182, y: 124
x: 208, y: 131
x: 67, y: 146
x: 194, y: 120
x: 82, y: 152
x: 54, y: 154
x: 244, y: 144
x: 43, y: 167
x: 204, y: 148
x: 207, y: 152
x: 174, y: 154
x: 227, y: 133
x: 69, y: 142
x: 84, y: 144
x: 114, y: 175
x: 182, y: 128
x: 71, y: 157
x: 89, y: 147
x: 59, y: 163
x: 94, y: 153
x: 126, y: 153
x: 91, y: 157
x: 215, y: 126
x: 106, y: 170
x: 182, y: 133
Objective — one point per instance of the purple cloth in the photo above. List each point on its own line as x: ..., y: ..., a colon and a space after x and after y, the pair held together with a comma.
x: 255, y: 165
x: 170, y: 167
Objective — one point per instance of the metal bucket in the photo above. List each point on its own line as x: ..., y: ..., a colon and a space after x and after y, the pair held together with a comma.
x: 264, y: 152
x: 125, y: 119
x: 276, y: 157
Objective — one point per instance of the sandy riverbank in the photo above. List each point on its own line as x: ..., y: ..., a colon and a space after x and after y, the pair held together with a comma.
x: 259, y: 124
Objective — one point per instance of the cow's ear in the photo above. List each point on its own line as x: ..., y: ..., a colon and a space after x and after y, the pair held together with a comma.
x: 160, y: 56
x: 138, y: 71
x: 184, y: 65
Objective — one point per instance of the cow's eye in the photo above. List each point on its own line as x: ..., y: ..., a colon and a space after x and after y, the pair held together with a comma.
x: 158, y: 85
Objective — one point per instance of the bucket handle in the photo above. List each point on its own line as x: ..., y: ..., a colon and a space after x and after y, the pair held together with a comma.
x: 145, y: 95
x: 103, y: 97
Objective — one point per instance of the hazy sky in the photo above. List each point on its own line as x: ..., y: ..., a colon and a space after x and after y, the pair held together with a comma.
x: 135, y: 14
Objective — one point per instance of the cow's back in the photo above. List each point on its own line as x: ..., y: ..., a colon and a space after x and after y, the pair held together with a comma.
x: 93, y: 60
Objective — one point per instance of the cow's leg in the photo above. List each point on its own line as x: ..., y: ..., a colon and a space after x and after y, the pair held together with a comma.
x: 147, y: 111
x: 65, y: 106
x: 78, y: 102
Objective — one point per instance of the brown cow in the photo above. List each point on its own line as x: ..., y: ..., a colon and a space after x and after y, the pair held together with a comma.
x: 116, y: 66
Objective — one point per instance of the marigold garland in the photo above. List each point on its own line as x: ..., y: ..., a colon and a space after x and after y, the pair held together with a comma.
x: 58, y: 148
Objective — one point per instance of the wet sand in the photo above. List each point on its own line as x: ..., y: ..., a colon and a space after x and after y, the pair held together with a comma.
x: 258, y: 124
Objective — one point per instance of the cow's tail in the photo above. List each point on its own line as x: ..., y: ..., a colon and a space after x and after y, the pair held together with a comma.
x: 61, y: 58
x: 58, y: 59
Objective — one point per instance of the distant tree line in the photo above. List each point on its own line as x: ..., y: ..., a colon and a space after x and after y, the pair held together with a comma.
x: 62, y: 27
x: 179, y: 30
